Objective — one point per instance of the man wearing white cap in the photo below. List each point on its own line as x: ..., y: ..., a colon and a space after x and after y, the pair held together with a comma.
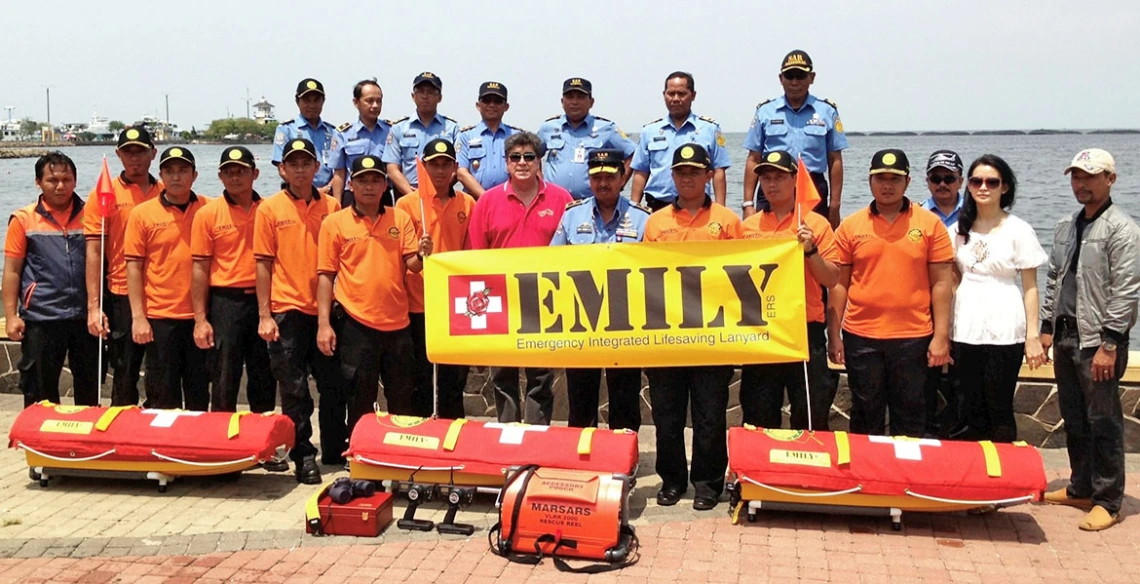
x: 1089, y: 308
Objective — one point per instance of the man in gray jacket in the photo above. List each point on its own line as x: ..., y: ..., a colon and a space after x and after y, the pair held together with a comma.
x: 1089, y: 307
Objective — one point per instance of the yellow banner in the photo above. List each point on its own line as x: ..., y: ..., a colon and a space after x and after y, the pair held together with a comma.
x: 618, y: 305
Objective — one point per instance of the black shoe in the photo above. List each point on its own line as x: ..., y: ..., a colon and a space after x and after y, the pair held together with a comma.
x: 704, y: 502
x: 308, y: 473
x: 668, y: 496
x: 276, y: 464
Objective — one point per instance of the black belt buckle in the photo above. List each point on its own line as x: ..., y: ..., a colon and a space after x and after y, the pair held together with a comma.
x: 1066, y: 322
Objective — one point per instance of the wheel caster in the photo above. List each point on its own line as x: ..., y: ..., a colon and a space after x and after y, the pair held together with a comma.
x: 162, y: 488
x: 43, y: 483
x: 752, y: 517
x: 896, y: 526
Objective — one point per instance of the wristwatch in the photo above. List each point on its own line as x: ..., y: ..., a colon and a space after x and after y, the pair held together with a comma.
x: 748, y: 204
x: 1109, y: 346
x: 814, y: 250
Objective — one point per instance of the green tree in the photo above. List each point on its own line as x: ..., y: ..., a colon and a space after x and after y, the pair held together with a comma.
x: 243, y: 128
x: 86, y: 136
x: 116, y: 126
x: 29, y: 127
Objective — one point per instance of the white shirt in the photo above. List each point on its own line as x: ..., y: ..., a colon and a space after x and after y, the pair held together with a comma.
x: 989, y: 308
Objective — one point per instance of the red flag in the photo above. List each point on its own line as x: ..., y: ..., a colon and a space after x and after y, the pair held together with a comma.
x: 807, y: 196
x: 426, y: 187
x: 105, y: 192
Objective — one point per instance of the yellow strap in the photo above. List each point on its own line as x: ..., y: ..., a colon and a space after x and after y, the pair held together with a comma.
x: 312, y: 505
x: 736, y: 512
x: 842, y: 449
x: 46, y: 403
x: 453, y: 434
x: 109, y: 416
x: 235, y: 424
x: 750, y: 427
x: 1021, y: 444
x: 585, y: 441
x: 993, y: 461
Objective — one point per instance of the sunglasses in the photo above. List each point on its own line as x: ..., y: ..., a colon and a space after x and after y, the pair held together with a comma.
x: 795, y: 75
x: 516, y: 157
x: 941, y: 179
x: 991, y: 183
x: 492, y: 100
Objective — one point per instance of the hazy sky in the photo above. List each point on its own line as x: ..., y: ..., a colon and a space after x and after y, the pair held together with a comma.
x: 890, y: 65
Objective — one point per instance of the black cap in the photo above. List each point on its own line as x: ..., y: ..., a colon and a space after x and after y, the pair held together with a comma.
x: 796, y: 59
x: 428, y: 77
x: 778, y: 159
x: 439, y: 147
x: 237, y: 155
x: 691, y: 154
x: 890, y: 161
x: 368, y: 163
x: 605, y: 160
x: 577, y: 84
x: 176, y: 153
x: 135, y: 135
x: 947, y: 159
x: 299, y: 145
x: 493, y: 88
x: 307, y: 85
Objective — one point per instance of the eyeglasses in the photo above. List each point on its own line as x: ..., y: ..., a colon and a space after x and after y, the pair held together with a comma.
x: 941, y: 179
x: 991, y: 183
x: 516, y: 156
x: 492, y: 100
x: 795, y: 75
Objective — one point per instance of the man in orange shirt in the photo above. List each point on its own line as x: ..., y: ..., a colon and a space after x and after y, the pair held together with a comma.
x: 893, y: 302
x: 692, y: 216
x: 157, y: 251
x: 762, y: 386
x: 442, y: 219
x: 366, y: 249
x: 133, y: 186
x: 285, y: 232
x: 223, y: 288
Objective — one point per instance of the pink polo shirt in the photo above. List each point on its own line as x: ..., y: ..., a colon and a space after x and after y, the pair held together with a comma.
x: 501, y: 220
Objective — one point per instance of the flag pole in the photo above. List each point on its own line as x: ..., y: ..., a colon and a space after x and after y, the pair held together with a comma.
x: 102, y: 276
x: 807, y: 394
x: 434, y: 367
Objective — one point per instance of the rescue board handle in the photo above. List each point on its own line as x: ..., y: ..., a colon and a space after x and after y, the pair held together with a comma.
x: 60, y: 458
x: 405, y: 467
x: 1024, y: 499
x: 191, y: 463
x: 854, y: 489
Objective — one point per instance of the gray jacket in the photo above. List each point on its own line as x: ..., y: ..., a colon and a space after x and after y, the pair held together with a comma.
x: 1108, y: 274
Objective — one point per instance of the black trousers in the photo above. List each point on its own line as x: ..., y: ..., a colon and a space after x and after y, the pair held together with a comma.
x: 363, y: 351
x: 292, y: 357
x: 43, y: 350
x: 1094, y: 420
x: 233, y: 315
x: 887, y: 374
x: 762, y: 388
x: 624, y: 388
x: 176, y: 374
x: 944, y: 381
x: 704, y: 392
x: 125, y: 356
x: 988, y: 377
x: 539, y: 404
x: 450, y: 379
x: 823, y: 207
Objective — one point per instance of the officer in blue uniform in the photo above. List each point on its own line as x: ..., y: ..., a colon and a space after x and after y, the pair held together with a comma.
x: 652, y: 176
x: 308, y: 125
x: 606, y: 217
x: 366, y: 136
x: 481, y: 157
x: 408, y: 136
x: 571, y: 136
x: 804, y: 126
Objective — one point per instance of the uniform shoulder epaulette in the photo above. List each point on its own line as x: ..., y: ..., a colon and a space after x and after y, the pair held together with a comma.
x: 831, y: 103
x: 389, y: 122
x: 761, y: 104
x: 552, y: 118
x: 344, y: 126
x: 640, y: 207
x: 707, y: 119
x: 400, y: 120
x: 603, y: 119
x: 449, y: 119
x: 465, y: 128
x: 573, y: 204
x: 654, y: 122
x: 286, y: 122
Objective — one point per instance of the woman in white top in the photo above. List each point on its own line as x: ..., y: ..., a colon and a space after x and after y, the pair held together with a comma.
x: 994, y: 323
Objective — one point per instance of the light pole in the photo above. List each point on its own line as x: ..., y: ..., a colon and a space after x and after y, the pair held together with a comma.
x: 51, y: 129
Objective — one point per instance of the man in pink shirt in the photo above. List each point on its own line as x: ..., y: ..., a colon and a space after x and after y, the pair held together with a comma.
x: 522, y: 212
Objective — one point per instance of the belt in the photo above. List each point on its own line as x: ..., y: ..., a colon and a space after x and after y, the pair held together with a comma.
x: 1066, y: 322
x: 232, y: 292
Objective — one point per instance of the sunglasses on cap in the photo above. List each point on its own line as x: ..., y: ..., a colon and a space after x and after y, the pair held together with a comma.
x: 991, y: 183
x: 492, y: 100
x: 941, y: 179
x: 527, y: 156
x: 795, y: 75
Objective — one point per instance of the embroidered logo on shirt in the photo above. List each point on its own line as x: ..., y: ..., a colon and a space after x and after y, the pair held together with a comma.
x: 714, y: 229
x: 914, y: 235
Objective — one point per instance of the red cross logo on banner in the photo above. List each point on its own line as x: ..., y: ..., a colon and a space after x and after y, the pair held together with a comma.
x: 478, y: 305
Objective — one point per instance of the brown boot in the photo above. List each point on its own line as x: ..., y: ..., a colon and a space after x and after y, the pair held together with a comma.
x: 1061, y: 497
x: 1097, y: 519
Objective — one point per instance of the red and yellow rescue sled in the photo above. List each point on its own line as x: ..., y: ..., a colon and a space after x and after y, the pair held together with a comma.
x: 473, y: 453
x: 854, y: 473
x: 120, y: 442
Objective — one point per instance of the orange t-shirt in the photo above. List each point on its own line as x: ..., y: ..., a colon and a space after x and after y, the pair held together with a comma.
x: 713, y: 222
x: 223, y: 233
x: 367, y: 258
x: 285, y: 230
x: 764, y: 224
x: 447, y: 225
x: 127, y: 197
x: 889, y: 295
x: 158, y: 235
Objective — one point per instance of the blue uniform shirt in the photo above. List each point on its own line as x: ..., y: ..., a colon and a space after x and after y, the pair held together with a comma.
x: 947, y: 220
x: 407, y: 139
x: 812, y: 132
x: 354, y: 139
x: 660, y: 138
x: 567, y: 149
x: 321, y: 137
x: 483, y: 154
x: 582, y: 224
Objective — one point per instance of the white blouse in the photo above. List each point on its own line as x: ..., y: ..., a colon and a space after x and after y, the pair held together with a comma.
x: 989, y: 308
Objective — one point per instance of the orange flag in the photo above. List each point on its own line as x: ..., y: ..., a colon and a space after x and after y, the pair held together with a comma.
x: 807, y: 196
x: 105, y: 192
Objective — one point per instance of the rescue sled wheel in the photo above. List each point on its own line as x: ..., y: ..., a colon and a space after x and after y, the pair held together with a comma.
x: 162, y: 488
x: 751, y: 516
x: 43, y: 483
x: 896, y: 526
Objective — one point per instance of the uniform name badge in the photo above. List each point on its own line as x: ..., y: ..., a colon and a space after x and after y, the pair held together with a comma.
x: 580, y: 154
x: 631, y: 233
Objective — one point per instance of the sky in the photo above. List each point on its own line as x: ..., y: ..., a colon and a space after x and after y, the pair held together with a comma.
x: 889, y: 65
